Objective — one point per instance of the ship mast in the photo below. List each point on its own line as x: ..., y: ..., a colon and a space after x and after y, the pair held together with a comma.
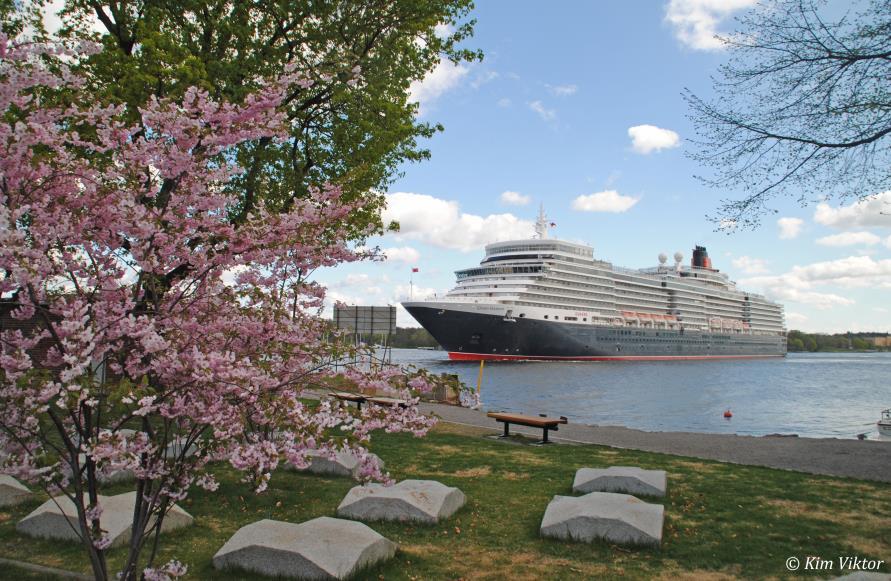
x: 542, y: 224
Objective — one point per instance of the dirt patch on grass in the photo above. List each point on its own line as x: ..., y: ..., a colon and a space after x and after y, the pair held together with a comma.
x: 872, y: 547
x: 473, y: 562
x: 530, y: 459
x: 447, y: 449
x: 515, y: 475
x: 864, y: 518
x: 538, y: 566
x: 474, y: 472
x: 842, y: 486
x: 461, y: 429
x: 696, y: 575
x: 698, y: 466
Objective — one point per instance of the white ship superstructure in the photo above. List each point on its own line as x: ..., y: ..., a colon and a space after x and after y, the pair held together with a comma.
x: 667, y: 311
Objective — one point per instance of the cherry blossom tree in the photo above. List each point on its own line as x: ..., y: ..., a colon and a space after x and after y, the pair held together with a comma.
x: 169, y: 338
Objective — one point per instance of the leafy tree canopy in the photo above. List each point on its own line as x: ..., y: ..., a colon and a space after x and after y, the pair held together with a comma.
x: 354, y: 126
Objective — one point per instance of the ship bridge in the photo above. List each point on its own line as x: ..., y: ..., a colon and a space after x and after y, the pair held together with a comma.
x: 536, y: 249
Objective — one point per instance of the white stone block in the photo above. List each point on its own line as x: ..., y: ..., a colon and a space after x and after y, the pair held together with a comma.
x: 615, y: 518
x: 322, y: 548
x: 344, y: 464
x: 626, y: 479
x: 425, y: 501
x: 12, y: 491
x: 57, y: 519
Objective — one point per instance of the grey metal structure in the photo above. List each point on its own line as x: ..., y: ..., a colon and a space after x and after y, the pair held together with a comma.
x: 366, y: 322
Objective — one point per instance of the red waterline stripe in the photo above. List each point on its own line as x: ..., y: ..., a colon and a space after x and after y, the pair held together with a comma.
x: 462, y: 356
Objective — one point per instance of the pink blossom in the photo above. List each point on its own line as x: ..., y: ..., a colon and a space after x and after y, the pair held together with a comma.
x: 115, y: 238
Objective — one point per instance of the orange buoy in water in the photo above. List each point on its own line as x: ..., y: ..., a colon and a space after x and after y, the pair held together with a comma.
x: 728, y: 414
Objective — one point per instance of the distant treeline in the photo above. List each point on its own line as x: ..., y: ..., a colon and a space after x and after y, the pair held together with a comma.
x: 405, y: 337
x: 815, y: 342
x: 411, y: 337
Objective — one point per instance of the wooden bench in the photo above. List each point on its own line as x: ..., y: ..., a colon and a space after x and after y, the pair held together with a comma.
x: 359, y: 399
x: 545, y: 423
x: 387, y: 401
x: 356, y: 398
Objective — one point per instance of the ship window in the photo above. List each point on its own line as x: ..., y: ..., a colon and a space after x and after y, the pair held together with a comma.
x: 556, y: 318
x: 522, y: 314
x: 546, y: 316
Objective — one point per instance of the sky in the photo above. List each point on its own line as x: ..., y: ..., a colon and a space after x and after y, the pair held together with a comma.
x: 578, y: 107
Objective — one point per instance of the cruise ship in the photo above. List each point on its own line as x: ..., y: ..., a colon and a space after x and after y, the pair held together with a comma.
x: 551, y: 299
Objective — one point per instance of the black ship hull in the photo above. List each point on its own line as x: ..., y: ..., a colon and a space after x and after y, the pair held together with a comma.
x: 476, y: 336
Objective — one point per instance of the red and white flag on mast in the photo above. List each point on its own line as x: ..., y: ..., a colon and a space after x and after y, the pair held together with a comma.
x: 414, y: 269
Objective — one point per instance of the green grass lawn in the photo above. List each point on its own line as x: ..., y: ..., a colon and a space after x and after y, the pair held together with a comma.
x: 722, y: 521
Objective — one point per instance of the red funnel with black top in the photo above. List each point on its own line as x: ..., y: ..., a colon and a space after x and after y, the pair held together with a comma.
x: 700, y: 258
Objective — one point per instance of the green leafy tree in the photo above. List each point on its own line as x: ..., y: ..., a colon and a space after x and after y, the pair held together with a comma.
x: 354, y: 126
x: 810, y: 344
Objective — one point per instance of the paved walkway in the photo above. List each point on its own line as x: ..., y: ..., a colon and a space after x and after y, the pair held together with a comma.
x: 868, y: 459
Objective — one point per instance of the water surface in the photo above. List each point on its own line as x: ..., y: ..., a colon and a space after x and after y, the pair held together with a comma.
x: 817, y: 395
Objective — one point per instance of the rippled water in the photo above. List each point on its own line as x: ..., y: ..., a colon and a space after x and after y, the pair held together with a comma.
x: 832, y: 394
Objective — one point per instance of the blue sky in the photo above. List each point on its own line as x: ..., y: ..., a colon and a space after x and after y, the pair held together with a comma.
x: 579, y: 107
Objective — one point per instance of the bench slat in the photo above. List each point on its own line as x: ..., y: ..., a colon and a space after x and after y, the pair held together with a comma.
x: 535, y: 421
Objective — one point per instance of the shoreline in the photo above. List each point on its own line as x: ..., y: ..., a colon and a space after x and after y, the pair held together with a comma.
x: 862, y: 459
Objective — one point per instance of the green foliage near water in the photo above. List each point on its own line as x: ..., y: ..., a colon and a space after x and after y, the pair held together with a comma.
x: 720, y: 519
x: 799, y: 341
x: 409, y: 337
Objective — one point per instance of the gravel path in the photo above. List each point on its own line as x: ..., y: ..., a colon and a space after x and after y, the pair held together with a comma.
x: 868, y: 459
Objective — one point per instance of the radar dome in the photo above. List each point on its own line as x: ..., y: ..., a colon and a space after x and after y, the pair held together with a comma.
x: 662, y: 258
x: 678, y: 257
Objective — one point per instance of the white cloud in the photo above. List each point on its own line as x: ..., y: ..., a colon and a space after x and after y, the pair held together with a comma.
x: 728, y: 225
x: 798, y: 284
x: 543, y: 112
x: 441, y: 223
x: 483, y: 78
x: 405, y: 254
x: 404, y: 292
x: 504, y: 102
x: 444, y: 77
x: 782, y: 288
x: 871, y: 212
x: 790, y: 227
x: 230, y: 275
x: 443, y: 30
x: 606, y: 201
x: 52, y: 22
x: 888, y: 242
x: 795, y: 318
x: 514, y: 198
x: 648, y: 138
x: 853, y: 271
x: 849, y: 239
x: 562, y: 90
x: 750, y: 265
x: 696, y: 22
